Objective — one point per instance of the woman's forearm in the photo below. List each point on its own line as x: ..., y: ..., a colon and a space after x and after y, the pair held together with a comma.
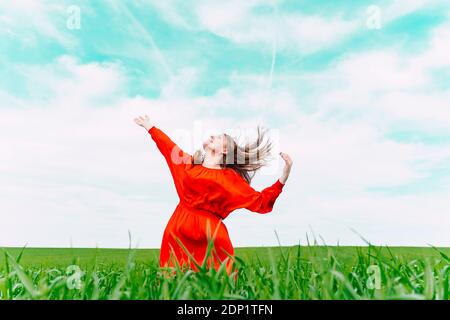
x: 287, y: 167
x: 148, y: 126
x: 284, y: 178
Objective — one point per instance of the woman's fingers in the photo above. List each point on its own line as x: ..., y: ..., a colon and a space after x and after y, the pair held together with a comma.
x: 139, y: 121
x: 286, y: 158
x: 145, y: 117
x: 143, y: 121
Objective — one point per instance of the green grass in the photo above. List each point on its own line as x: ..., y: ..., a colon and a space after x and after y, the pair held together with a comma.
x: 297, y: 272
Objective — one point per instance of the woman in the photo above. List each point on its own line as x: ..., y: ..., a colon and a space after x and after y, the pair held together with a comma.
x: 210, y: 185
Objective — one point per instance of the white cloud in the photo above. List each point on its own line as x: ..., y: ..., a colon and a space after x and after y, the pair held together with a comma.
x: 297, y: 32
x: 399, y: 8
x: 176, y: 12
x: 180, y: 85
x: 438, y: 50
x: 241, y: 23
x: 69, y: 80
x: 388, y: 88
x: 42, y: 19
x: 310, y: 33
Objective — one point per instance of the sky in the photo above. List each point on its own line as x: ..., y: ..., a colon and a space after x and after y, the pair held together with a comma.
x: 356, y: 92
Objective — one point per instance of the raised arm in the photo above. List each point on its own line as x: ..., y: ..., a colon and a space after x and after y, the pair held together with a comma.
x: 171, y: 151
x: 175, y: 157
x: 243, y: 196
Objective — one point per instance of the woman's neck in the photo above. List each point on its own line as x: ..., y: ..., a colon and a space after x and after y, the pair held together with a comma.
x: 212, y: 160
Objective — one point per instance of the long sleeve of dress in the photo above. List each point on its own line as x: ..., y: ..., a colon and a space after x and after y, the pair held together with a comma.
x: 244, y: 196
x: 175, y: 157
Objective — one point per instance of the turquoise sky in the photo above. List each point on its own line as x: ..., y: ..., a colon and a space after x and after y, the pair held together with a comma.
x: 128, y: 32
x: 363, y: 110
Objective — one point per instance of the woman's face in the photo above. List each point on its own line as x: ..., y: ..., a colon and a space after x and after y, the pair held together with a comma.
x: 215, y: 143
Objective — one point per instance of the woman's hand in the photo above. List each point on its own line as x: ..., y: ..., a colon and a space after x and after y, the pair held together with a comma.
x: 287, y: 167
x: 144, y: 122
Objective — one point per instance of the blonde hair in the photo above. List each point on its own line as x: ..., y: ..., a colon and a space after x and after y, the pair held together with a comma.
x: 246, y: 159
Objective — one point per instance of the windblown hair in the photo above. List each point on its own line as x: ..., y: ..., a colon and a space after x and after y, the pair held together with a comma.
x: 245, y: 159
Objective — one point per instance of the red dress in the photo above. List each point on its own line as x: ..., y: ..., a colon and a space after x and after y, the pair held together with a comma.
x: 207, y: 196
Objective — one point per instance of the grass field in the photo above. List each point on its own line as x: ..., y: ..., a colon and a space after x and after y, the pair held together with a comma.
x: 297, y: 272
